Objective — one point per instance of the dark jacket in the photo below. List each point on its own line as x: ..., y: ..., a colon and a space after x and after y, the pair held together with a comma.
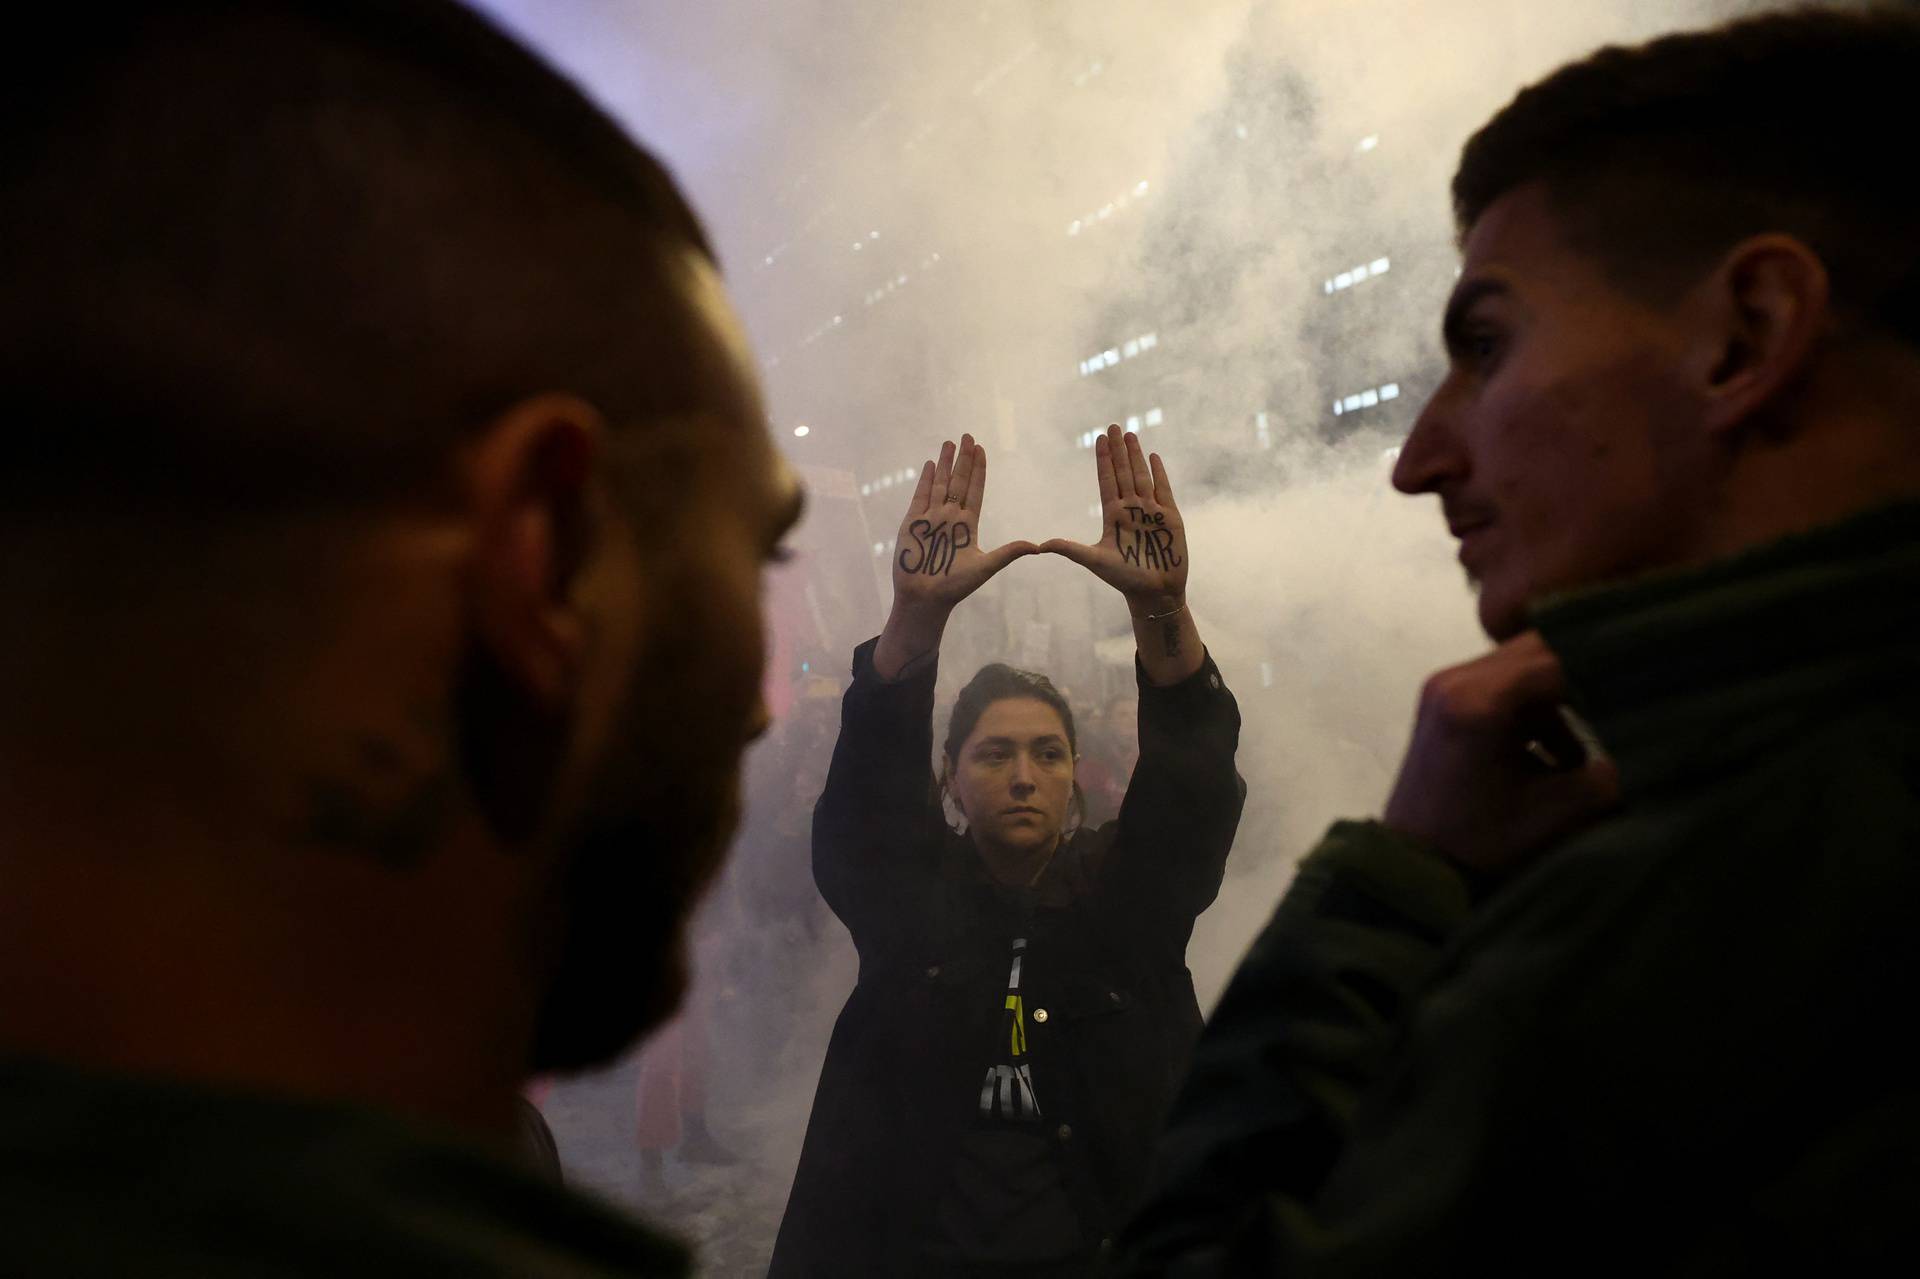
x: 104, y: 1176
x: 1106, y: 963
x: 1677, y: 1044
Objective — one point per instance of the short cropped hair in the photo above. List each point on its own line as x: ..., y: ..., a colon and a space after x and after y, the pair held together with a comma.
x: 267, y: 251
x: 1659, y: 158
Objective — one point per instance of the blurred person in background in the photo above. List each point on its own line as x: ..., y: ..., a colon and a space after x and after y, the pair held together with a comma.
x: 672, y: 1089
x: 1639, y: 1011
x: 772, y: 866
x: 1023, y: 1007
x: 386, y: 499
x: 1107, y: 757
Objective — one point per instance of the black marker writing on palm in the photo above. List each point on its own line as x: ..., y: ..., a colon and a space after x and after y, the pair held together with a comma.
x: 940, y: 561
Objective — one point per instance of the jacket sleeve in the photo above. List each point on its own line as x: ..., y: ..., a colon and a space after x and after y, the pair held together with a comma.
x: 1182, y: 805
x: 1299, y: 1034
x: 876, y: 824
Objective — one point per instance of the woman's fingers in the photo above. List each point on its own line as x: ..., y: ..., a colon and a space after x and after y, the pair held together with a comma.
x: 1001, y: 556
x: 977, y: 482
x: 1079, y: 552
x: 1137, y: 463
x: 1162, y: 486
x: 1122, y: 463
x: 923, y: 491
x: 942, y: 473
x: 1104, y: 469
x: 963, y: 462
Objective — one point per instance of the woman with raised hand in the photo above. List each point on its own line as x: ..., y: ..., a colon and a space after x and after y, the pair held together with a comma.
x: 1023, y: 1010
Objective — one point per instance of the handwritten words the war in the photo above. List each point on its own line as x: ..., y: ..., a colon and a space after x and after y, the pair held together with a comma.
x: 1148, y: 540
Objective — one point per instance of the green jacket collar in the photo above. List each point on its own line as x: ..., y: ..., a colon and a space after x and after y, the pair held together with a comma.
x: 1695, y: 670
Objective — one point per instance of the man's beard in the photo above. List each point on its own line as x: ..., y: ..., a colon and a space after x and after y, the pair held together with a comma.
x: 657, y: 816
x: 647, y: 847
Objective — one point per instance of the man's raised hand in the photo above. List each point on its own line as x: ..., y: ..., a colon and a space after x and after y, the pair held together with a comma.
x: 1477, y: 783
x: 1142, y: 550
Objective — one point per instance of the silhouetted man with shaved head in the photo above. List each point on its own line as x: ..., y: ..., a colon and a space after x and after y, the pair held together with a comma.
x: 1640, y: 1012
x: 381, y: 529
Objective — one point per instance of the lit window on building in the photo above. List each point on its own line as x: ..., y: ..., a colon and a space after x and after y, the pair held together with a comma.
x: 1372, y: 397
x: 1365, y: 271
x: 1087, y: 221
x: 1127, y: 350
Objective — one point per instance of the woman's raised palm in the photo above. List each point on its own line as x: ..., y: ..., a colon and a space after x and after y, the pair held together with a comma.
x: 937, y: 558
x: 1142, y: 548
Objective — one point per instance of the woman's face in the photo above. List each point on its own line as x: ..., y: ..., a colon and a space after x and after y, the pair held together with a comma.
x: 1013, y: 779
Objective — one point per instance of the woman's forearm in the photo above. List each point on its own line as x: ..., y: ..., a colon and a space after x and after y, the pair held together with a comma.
x: 912, y: 631
x: 1166, y: 637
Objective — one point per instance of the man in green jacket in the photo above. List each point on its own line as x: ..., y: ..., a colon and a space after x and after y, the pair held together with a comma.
x: 1637, y: 1008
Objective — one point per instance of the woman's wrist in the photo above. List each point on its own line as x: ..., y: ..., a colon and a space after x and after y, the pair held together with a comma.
x: 912, y: 631
x: 1156, y: 606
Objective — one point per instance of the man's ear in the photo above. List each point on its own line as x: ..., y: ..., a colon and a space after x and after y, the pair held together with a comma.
x: 1767, y: 305
x: 529, y: 489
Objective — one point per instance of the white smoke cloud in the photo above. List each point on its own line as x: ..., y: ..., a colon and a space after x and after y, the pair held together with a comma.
x: 972, y: 217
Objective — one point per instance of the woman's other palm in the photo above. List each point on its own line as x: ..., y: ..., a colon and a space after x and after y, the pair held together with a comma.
x: 1142, y: 549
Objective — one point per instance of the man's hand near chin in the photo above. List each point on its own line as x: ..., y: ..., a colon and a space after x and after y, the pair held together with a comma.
x: 1492, y: 775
